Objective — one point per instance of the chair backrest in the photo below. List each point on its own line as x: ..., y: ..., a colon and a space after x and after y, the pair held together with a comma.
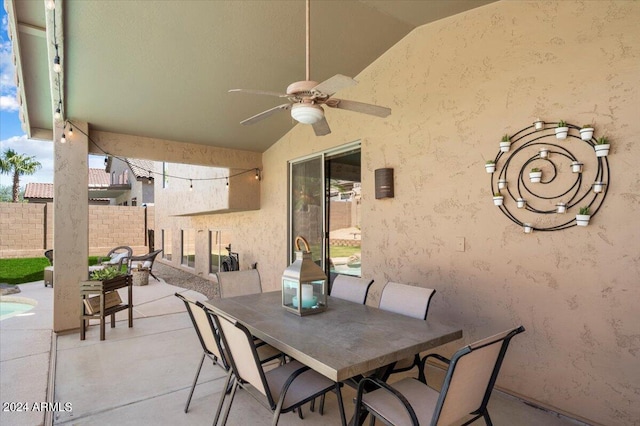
x: 406, y: 299
x: 470, y: 378
x: 120, y: 255
x: 146, y: 259
x: 242, y: 354
x: 239, y: 283
x: 204, y: 326
x: 351, y: 288
x: 49, y: 255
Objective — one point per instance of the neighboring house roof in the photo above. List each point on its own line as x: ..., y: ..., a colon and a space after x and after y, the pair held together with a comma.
x: 39, y: 191
x: 98, y: 178
x: 140, y: 168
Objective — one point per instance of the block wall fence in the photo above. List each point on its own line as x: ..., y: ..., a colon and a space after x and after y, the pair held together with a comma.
x: 26, y: 229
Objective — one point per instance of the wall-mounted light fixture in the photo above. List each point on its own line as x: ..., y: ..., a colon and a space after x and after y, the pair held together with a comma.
x: 384, y: 183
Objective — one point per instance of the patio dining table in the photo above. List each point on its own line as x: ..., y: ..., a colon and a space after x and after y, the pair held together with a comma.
x: 346, y: 340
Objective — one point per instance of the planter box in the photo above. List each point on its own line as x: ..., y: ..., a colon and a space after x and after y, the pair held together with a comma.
x: 111, y: 299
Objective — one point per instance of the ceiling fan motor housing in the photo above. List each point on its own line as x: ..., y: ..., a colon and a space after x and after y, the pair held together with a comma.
x: 301, y: 87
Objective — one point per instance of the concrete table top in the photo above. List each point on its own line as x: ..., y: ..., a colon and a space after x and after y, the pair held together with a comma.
x: 346, y: 340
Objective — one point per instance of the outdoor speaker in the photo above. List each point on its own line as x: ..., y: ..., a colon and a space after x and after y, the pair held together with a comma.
x: 384, y: 183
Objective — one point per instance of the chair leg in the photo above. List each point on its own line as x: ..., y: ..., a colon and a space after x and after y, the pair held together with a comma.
x: 321, y: 410
x: 223, y: 396
x: 340, y: 404
x: 195, y: 380
x: 299, y: 410
x: 487, y: 418
x: 312, y: 405
x: 228, y: 409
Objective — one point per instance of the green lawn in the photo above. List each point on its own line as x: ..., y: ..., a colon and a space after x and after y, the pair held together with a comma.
x: 18, y: 271
x: 26, y: 270
x: 343, y: 251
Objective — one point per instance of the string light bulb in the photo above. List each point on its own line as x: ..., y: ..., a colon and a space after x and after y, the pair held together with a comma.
x: 70, y: 131
x: 149, y: 178
x: 50, y: 4
x: 63, y: 139
x: 227, y: 182
x: 190, y: 185
x: 56, y: 63
x: 57, y: 115
x: 257, y: 174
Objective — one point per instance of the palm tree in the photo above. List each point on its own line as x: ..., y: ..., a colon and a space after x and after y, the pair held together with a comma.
x: 17, y: 164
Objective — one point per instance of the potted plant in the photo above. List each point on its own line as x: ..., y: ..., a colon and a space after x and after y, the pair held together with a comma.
x: 586, y: 132
x: 535, y: 175
x: 561, y: 207
x: 498, y: 198
x: 576, y: 167
x: 544, y: 152
x: 602, y: 147
x: 582, y: 219
x: 502, y: 183
x: 505, y: 143
x: 538, y: 124
x: 490, y: 166
x: 107, y: 274
x: 562, y: 130
x: 598, y: 186
x: 521, y: 202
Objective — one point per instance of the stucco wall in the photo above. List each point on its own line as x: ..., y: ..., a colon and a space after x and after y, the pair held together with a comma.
x: 455, y: 86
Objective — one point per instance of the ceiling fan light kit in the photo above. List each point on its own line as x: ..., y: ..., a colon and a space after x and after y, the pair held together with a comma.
x: 305, y: 97
x: 307, y: 113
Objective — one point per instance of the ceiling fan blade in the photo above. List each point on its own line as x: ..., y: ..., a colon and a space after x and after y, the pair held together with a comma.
x: 265, y: 114
x: 259, y: 92
x: 359, y: 107
x: 335, y: 83
x: 321, y: 128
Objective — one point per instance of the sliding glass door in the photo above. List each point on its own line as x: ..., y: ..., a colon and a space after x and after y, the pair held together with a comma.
x: 325, y: 208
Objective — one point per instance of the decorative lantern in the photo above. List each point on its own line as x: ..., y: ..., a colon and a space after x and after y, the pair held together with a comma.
x: 304, y: 284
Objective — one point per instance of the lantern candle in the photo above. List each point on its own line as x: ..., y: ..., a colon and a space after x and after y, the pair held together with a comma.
x: 307, y: 293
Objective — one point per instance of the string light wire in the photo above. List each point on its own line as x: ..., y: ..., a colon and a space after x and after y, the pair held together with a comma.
x: 151, y: 172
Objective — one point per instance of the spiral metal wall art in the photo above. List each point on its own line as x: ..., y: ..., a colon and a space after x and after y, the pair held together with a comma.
x: 547, y: 174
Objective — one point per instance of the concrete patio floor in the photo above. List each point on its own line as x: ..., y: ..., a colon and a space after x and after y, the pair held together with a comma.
x: 142, y: 375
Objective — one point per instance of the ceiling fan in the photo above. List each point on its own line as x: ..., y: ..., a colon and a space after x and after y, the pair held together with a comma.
x: 306, y: 97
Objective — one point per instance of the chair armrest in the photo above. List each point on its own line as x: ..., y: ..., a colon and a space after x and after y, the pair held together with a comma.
x: 423, y: 364
x: 382, y: 385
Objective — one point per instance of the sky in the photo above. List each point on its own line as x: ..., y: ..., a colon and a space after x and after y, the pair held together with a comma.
x: 11, y: 134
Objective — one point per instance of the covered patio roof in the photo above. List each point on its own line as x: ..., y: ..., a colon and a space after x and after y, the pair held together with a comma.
x: 163, y: 69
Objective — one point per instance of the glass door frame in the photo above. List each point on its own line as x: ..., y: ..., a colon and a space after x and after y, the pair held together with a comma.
x: 322, y: 155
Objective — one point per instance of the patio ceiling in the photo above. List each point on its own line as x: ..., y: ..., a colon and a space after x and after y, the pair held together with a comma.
x: 162, y: 69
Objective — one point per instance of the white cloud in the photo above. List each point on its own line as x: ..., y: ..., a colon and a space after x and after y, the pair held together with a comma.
x: 7, y: 70
x: 9, y: 103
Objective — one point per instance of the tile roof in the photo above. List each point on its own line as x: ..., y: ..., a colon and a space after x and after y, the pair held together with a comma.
x: 140, y: 168
x: 98, y: 178
x: 39, y: 190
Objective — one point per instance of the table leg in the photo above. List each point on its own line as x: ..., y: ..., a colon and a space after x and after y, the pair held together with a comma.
x: 83, y: 321
x: 130, y: 301
x: 102, y: 309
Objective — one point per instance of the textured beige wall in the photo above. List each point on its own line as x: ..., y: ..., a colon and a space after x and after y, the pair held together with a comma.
x: 25, y: 227
x: 22, y: 230
x: 455, y: 86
